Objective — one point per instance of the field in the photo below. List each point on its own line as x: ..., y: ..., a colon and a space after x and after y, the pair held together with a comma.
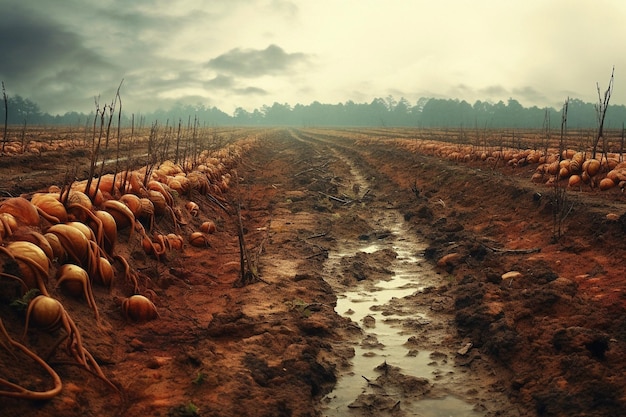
x: 523, y: 235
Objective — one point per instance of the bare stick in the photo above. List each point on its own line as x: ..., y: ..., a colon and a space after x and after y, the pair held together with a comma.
x: 6, y: 117
x: 119, y: 140
x: 601, y: 108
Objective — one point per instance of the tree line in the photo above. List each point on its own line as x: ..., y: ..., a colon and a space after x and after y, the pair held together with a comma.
x: 380, y: 112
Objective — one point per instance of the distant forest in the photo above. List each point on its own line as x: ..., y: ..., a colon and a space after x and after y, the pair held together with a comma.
x: 388, y: 112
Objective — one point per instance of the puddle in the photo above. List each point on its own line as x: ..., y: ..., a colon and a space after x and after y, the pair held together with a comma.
x: 385, y: 339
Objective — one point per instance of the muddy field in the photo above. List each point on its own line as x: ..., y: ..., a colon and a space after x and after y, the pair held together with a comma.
x: 546, y: 340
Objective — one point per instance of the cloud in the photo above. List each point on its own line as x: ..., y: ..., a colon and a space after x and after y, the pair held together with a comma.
x: 220, y: 82
x: 494, y: 91
x: 252, y: 63
x: 251, y: 91
x: 30, y: 43
x: 62, y: 53
x: 528, y: 94
x: 226, y: 83
x: 47, y: 61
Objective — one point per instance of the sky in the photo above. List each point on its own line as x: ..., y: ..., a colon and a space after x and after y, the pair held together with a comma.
x: 67, y: 54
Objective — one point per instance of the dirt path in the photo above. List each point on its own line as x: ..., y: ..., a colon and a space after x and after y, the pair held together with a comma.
x: 328, y: 215
x: 406, y: 355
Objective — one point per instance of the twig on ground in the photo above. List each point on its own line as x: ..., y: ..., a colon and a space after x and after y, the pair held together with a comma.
x: 317, y: 235
x: 521, y: 251
x: 339, y: 200
x: 324, y: 252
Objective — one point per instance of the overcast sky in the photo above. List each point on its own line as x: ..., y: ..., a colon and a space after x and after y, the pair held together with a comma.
x: 247, y: 53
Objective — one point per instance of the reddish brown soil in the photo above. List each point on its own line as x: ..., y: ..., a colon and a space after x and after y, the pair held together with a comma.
x: 559, y: 328
x: 552, y: 339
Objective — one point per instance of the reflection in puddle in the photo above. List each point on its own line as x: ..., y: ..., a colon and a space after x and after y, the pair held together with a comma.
x: 383, y: 336
x: 370, y: 248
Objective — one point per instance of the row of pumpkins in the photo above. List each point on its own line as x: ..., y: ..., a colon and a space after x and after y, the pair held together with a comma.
x: 578, y: 168
x: 34, y: 147
x: 71, y: 233
x: 111, y: 204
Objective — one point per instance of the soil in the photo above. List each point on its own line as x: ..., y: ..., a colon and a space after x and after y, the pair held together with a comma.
x: 546, y: 340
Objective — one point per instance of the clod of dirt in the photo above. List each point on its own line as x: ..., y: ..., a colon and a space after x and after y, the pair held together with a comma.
x: 369, y: 322
x: 387, y: 394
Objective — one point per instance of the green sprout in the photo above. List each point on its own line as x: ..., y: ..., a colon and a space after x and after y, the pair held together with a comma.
x: 300, y: 306
x: 189, y: 410
x: 199, y: 379
x: 21, y: 304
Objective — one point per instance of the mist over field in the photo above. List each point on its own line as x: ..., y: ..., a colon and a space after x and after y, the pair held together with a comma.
x: 426, y: 113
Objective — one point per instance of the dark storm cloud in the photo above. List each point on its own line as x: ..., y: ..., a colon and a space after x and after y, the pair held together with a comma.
x: 63, y: 54
x: 256, y: 62
x: 47, y: 61
x: 30, y: 43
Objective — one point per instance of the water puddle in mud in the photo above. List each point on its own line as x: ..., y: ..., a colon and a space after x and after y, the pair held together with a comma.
x: 385, y: 339
x: 383, y: 320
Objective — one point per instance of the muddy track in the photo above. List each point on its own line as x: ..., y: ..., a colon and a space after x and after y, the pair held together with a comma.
x: 412, y: 333
x: 556, y: 330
